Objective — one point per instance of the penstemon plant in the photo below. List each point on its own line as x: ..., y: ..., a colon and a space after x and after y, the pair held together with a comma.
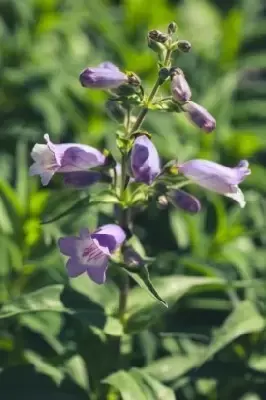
x: 138, y: 177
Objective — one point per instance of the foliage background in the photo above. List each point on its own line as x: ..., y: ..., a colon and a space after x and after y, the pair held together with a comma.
x: 210, y: 268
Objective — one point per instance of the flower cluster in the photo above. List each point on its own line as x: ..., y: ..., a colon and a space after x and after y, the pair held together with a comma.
x: 140, y: 168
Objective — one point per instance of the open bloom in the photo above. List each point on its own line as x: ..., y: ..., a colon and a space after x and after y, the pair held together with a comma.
x: 216, y: 177
x: 90, y: 252
x: 105, y: 76
x: 50, y: 158
x: 199, y: 116
x: 184, y: 200
x: 180, y: 88
x: 145, y: 161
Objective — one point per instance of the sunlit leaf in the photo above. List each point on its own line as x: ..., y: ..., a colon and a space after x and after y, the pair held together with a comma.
x: 243, y: 320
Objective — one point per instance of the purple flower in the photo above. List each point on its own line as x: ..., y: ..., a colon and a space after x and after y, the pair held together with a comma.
x: 184, y: 200
x: 180, y: 89
x: 90, y: 252
x: 216, y: 177
x: 200, y: 116
x: 145, y: 161
x: 50, y: 158
x: 105, y: 76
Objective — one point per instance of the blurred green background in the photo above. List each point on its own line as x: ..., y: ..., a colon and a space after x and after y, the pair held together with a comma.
x: 210, y: 268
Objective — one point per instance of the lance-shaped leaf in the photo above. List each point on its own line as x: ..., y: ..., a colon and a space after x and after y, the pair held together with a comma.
x: 243, y: 320
x: 126, y: 384
x: 143, y: 311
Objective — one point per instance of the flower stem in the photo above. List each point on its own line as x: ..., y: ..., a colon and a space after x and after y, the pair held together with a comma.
x: 124, y: 220
x: 158, y: 83
x: 123, y: 296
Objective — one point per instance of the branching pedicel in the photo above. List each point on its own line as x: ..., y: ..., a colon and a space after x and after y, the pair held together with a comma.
x: 140, y: 173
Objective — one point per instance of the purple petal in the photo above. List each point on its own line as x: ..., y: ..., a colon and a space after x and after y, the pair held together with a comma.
x: 110, y: 236
x: 184, y: 200
x: 200, y: 116
x: 67, y: 245
x: 206, y: 172
x: 102, y: 77
x: 242, y: 170
x: 82, y: 179
x: 108, y: 65
x: 98, y: 273
x: 80, y: 157
x: 216, y: 177
x: 74, y: 268
x: 145, y: 161
x: 180, y: 89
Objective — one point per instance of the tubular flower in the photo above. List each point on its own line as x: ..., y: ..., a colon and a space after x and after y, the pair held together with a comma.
x: 145, y: 161
x: 216, y: 177
x: 105, y: 76
x: 180, y: 88
x: 90, y: 252
x: 199, y: 116
x: 50, y: 158
x: 184, y: 200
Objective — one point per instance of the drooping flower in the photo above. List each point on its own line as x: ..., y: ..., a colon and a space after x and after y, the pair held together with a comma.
x: 216, y: 177
x: 50, y: 158
x: 184, y: 200
x: 180, y: 88
x: 144, y: 160
x: 199, y: 116
x: 90, y: 252
x: 105, y: 76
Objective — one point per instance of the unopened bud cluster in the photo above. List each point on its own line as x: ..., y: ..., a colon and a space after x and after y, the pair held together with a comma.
x: 180, y: 89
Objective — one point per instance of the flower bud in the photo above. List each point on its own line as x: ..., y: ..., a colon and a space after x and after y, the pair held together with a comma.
x: 115, y: 111
x: 105, y: 76
x: 158, y: 48
x: 144, y: 160
x: 180, y: 89
x: 199, y: 116
x: 184, y: 46
x: 133, y: 79
x: 158, y: 36
x: 184, y: 200
x: 172, y: 27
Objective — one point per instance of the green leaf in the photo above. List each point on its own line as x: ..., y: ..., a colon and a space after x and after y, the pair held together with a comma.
x: 143, y: 311
x: 79, y: 205
x: 43, y: 366
x: 126, y: 385
x: 143, y: 279
x: 12, y: 209
x: 180, y: 229
x: 156, y: 390
x: 243, y: 320
x: 45, y: 299
x: 103, y: 295
x: 76, y: 369
x: 167, y: 369
x: 22, y: 180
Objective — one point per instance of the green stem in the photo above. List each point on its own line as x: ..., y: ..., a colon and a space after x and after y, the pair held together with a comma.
x: 124, y: 289
x: 123, y: 296
x: 158, y: 83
